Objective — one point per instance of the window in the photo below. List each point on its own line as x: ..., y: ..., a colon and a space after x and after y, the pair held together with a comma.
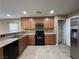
x: 13, y: 27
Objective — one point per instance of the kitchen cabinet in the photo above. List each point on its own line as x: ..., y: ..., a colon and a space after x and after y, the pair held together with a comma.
x: 32, y: 24
x: 22, y: 44
x: 23, y: 23
x: 50, y: 39
x: 31, y: 39
x: 1, y: 53
x: 49, y: 23
x: 27, y: 23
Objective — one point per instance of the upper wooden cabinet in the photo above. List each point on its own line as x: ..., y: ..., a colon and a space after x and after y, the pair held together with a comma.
x: 49, y: 23
x: 27, y: 23
x: 32, y: 23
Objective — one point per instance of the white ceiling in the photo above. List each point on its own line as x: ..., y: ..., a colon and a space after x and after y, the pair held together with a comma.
x: 16, y: 7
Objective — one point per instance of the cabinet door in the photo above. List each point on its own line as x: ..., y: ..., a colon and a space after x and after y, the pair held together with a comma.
x: 28, y: 23
x: 25, y: 23
x: 1, y: 53
x: 50, y: 39
x: 45, y: 23
x: 22, y: 44
x: 49, y: 23
x: 31, y: 39
x: 26, y: 41
x: 32, y: 24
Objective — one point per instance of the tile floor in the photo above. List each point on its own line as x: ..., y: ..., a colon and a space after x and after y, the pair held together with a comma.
x: 46, y: 52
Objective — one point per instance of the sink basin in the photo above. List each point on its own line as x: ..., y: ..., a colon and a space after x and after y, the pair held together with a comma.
x: 16, y: 36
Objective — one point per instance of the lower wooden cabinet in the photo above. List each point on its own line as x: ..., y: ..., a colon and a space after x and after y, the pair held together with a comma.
x: 1, y: 53
x: 22, y: 44
x: 31, y: 39
x: 50, y: 39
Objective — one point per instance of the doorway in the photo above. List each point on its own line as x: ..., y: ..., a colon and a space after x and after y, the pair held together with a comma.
x: 60, y: 31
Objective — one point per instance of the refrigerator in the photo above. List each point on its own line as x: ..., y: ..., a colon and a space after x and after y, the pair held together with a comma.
x: 75, y: 38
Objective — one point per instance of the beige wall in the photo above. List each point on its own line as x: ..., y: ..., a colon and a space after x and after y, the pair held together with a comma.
x: 4, y: 24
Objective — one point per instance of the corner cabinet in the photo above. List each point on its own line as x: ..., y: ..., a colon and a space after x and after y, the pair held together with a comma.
x: 50, y: 39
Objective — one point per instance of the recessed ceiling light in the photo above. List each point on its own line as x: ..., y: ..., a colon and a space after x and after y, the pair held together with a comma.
x: 24, y: 12
x: 8, y: 15
x: 52, y: 11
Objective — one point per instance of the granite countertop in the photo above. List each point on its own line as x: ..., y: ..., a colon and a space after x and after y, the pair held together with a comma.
x: 5, y: 33
x: 47, y: 33
x: 27, y: 33
x: 7, y: 41
x: 10, y: 40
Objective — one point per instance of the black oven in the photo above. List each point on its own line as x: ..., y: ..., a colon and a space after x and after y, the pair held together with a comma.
x: 39, y: 35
